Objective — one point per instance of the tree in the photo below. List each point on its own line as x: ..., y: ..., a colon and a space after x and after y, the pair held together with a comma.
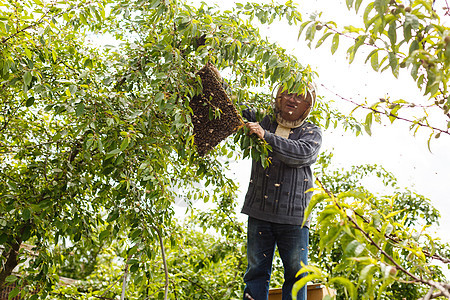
x: 400, y: 37
x: 96, y: 140
x: 347, y: 252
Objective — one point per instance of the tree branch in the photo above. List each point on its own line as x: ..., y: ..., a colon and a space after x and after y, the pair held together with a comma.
x: 107, y: 290
x: 12, y: 258
x: 442, y: 287
x: 40, y: 21
x: 428, y: 295
x: 124, y: 283
x: 388, y: 113
x: 367, y: 235
x: 163, y: 254
x: 202, y: 288
x: 123, y: 276
x: 437, y: 257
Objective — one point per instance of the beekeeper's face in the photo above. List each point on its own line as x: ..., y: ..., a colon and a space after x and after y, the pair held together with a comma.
x: 293, y: 106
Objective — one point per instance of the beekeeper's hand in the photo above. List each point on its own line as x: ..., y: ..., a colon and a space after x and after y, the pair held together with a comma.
x: 255, y: 128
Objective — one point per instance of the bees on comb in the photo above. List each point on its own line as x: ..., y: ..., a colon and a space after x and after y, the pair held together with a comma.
x: 214, y: 115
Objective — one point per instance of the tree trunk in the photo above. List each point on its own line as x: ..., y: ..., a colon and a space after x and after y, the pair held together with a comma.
x: 11, y: 261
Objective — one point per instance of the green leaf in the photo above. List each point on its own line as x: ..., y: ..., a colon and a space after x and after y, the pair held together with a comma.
x: 347, y: 284
x: 159, y: 98
x: 387, y: 229
x: 112, y: 153
x: 273, y: 61
x: 353, y: 29
x: 54, y: 55
x: 354, y: 248
x: 393, y: 63
x: 349, y: 3
x: 26, y: 214
x: 374, y: 59
x: 11, y: 278
x: 100, y: 145
x: 136, y: 233
x: 327, y: 242
x: 352, y: 50
x: 27, y: 78
x: 392, y: 33
x: 302, y: 27
x: 357, y: 5
x: 316, y: 198
x: 368, y: 123
x: 311, y: 32
x: 394, y: 213
x: 393, y: 113
x: 30, y: 102
x: 381, y: 6
x: 407, y: 32
x: 113, y: 215
x: 413, y: 47
x: 366, y: 14
x: 88, y: 63
x: 73, y: 89
x: 323, y: 38
x: 302, y: 282
x: 125, y: 143
x: 447, y: 52
x: 134, y: 268
x: 77, y: 236
x: 415, y: 70
x: 103, y: 235
x: 80, y: 109
x: 13, y: 293
x: 83, y: 19
x: 365, y: 272
x: 27, y: 52
x: 411, y: 20
x: 335, y: 43
x: 138, y: 279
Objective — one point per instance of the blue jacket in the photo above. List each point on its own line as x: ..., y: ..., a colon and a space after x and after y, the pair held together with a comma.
x: 277, y: 194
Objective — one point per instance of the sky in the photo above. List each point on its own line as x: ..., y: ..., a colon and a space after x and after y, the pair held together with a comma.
x: 394, y: 147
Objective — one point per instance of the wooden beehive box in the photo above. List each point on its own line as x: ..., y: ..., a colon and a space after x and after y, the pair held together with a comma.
x: 314, y: 292
x: 214, y: 115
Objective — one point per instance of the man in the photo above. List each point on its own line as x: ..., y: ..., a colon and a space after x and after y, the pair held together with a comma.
x: 276, y: 198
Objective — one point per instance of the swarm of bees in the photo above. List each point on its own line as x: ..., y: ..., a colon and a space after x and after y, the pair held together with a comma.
x: 214, y: 115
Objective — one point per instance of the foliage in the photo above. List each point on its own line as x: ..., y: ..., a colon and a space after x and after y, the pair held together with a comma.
x: 370, y: 251
x: 397, y: 35
x: 394, y: 219
x: 96, y: 139
x: 202, y: 266
x: 96, y: 144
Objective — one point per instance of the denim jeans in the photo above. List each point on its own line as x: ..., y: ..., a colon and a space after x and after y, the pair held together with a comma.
x: 262, y: 237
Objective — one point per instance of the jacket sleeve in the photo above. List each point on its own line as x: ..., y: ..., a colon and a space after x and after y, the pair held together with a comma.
x: 300, y: 152
x: 249, y: 114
